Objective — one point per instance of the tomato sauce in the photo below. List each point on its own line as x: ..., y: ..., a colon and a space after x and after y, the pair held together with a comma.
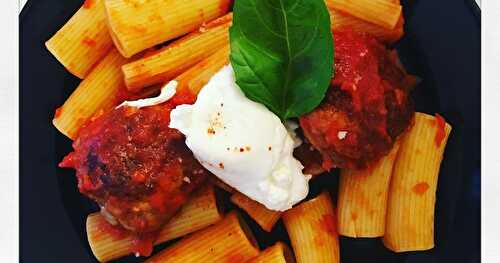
x: 130, y: 162
x: 89, y: 42
x: 58, y: 112
x: 143, y: 244
x: 88, y: 4
x: 366, y: 107
x: 441, y: 132
x: 116, y: 232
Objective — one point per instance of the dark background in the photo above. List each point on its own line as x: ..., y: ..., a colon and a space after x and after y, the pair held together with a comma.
x: 441, y: 45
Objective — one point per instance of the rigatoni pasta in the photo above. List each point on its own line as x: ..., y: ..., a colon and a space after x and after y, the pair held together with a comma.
x: 312, y: 228
x: 200, y: 211
x: 264, y: 217
x: 379, y: 12
x: 412, y: 195
x: 100, y: 90
x: 136, y: 25
x: 83, y: 40
x: 197, y: 76
x: 341, y: 20
x: 178, y: 56
x: 278, y: 253
x: 362, y: 198
x: 228, y: 241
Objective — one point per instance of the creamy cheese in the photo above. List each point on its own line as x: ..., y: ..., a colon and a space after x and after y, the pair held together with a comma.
x: 243, y: 143
x: 167, y: 92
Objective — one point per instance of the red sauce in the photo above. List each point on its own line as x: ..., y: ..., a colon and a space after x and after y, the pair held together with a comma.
x: 143, y: 244
x: 420, y: 188
x: 354, y: 216
x: 440, y: 132
x: 134, y: 165
x: 89, y: 42
x: 116, y: 232
x: 235, y: 257
x: 357, y: 72
x: 88, y: 4
x: 58, y: 112
x: 328, y: 224
x: 366, y: 107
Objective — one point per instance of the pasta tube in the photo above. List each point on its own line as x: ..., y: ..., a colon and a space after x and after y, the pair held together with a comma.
x: 230, y: 240
x: 379, y: 12
x: 196, y: 77
x: 264, y: 217
x: 362, y: 198
x: 341, y: 20
x: 83, y: 41
x: 312, y: 228
x: 102, y: 89
x: 278, y: 253
x: 201, y: 211
x: 412, y: 195
x: 136, y: 25
x: 175, y: 58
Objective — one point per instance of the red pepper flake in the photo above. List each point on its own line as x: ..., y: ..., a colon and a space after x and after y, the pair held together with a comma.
x: 441, y: 132
x: 89, y: 42
x: 58, y: 112
x: 242, y: 150
x: 211, y: 131
x: 420, y: 188
x: 88, y: 4
x: 221, y: 165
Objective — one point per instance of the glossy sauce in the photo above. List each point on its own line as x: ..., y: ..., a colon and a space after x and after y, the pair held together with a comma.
x: 366, y: 107
x: 136, y: 167
x: 440, y: 132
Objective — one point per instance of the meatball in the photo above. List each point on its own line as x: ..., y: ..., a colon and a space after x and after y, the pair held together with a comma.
x: 135, y: 167
x: 366, y: 107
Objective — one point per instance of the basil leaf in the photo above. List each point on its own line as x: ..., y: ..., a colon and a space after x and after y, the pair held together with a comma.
x: 282, y: 53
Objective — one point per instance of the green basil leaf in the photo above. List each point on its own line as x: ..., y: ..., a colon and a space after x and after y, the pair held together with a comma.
x: 282, y: 53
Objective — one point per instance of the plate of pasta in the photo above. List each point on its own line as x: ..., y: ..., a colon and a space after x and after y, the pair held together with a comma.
x: 246, y: 130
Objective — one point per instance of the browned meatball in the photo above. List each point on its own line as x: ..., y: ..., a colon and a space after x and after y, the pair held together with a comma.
x: 366, y: 107
x: 137, y: 168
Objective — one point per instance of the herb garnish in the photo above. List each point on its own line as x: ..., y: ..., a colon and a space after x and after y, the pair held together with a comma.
x: 282, y: 53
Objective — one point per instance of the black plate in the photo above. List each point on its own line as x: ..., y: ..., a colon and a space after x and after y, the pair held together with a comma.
x: 441, y: 45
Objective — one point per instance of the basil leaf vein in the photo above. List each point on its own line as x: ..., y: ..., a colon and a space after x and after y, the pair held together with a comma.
x: 282, y: 53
